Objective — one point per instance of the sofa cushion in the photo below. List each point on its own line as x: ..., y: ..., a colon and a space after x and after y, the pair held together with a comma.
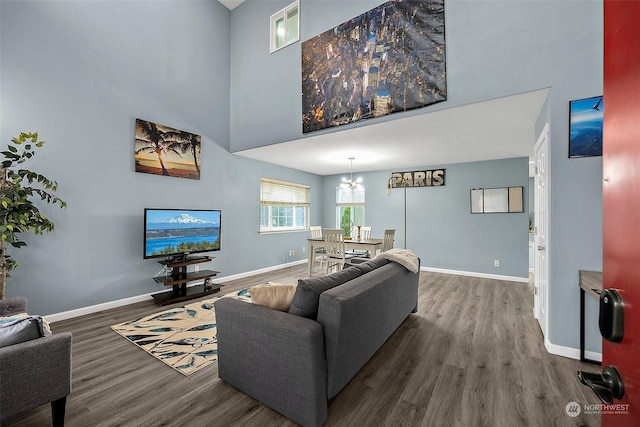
x: 22, y: 327
x: 372, y: 264
x: 275, y: 296
x: 377, y: 262
x: 307, y: 295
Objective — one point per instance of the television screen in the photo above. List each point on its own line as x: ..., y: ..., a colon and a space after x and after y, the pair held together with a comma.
x: 171, y: 232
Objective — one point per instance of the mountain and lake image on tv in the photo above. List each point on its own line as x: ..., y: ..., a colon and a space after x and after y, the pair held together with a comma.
x: 179, y: 232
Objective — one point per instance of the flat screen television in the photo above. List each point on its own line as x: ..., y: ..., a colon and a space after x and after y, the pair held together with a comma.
x: 176, y: 233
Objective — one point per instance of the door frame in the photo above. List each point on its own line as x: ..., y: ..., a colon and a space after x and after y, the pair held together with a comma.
x: 543, y: 320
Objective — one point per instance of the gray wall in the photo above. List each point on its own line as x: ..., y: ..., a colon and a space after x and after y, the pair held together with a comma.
x: 440, y: 227
x: 494, y: 49
x: 80, y: 73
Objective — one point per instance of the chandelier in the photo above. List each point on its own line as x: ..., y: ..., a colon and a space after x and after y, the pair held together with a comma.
x: 349, y: 183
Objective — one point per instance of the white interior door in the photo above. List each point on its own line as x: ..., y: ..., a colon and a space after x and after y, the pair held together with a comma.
x: 541, y: 219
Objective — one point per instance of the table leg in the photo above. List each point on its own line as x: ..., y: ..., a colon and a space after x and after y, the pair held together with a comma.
x: 311, y: 257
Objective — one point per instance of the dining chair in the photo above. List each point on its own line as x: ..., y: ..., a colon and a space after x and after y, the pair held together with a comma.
x: 320, y: 253
x: 365, y: 234
x: 334, y: 247
x: 387, y: 240
x: 387, y: 243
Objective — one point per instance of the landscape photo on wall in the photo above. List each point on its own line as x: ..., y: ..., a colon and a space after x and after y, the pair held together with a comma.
x: 162, y: 150
x: 585, y: 127
x: 387, y: 60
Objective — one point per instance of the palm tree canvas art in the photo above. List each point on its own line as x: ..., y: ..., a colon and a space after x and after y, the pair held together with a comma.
x: 162, y: 150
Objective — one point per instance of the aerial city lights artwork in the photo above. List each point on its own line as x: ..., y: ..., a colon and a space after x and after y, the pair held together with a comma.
x: 387, y: 60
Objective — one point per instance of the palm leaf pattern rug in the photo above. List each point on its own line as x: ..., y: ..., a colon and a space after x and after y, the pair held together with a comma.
x: 183, y: 338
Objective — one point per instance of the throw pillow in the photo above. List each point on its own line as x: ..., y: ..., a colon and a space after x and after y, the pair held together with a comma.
x: 307, y: 297
x: 277, y: 297
x: 22, y: 327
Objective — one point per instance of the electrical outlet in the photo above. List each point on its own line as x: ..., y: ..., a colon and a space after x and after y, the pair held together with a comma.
x: 496, y: 263
x: 196, y: 268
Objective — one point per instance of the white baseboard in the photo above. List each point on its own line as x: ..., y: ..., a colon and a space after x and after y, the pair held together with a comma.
x: 570, y: 352
x: 559, y: 350
x: 65, y: 315
x: 475, y: 274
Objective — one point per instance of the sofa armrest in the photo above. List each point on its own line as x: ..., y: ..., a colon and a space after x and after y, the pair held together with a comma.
x: 275, y: 357
x: 34, y: 373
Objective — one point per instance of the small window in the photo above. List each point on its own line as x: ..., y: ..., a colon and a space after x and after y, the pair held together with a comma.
x: 349, y: 208
x: 285, y: 27
x: 284, y: 206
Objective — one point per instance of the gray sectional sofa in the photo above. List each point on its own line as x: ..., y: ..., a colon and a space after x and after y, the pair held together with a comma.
x: 295, y: 361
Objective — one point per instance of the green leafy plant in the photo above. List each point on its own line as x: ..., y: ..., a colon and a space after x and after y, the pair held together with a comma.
x: 345, y: 221
x: 18, y: 188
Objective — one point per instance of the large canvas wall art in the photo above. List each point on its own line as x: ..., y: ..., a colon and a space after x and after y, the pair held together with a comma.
x: 387, y: 60
x: 585, y: 127
x: 162, y: 150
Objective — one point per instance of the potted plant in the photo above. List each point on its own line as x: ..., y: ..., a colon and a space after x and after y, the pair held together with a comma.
x: 18, y: 187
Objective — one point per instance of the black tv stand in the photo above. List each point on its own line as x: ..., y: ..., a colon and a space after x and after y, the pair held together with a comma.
x: 179, y: 278
x: 184, y: 258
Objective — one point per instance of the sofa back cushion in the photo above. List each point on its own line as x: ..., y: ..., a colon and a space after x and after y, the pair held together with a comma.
x: 369, y: 266
x: 305, y: 300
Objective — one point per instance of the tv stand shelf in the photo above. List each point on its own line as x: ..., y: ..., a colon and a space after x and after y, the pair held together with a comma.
x: 179, y: 278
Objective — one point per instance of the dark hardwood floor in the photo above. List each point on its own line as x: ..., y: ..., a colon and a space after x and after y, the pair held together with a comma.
x: 473, y: 355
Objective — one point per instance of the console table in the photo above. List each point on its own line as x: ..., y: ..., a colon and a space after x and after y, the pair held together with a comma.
x: 179, y: 279
x: 590, y: 283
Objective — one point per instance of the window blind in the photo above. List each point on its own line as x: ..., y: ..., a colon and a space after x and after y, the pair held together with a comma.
x: 347, y: 196
x: 274, y: 192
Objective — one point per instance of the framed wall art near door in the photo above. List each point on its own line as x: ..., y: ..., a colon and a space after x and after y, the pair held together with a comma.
x: 585, y: 127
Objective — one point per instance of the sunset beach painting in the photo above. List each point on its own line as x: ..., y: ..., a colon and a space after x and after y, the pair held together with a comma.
x: 161, y: 150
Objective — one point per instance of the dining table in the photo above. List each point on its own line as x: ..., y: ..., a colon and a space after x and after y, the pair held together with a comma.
x: 371, y: 245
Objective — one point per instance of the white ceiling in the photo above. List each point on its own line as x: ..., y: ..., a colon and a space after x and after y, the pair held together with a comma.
x: 495, y: 129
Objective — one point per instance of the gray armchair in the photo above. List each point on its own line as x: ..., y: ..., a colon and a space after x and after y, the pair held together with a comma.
x: 34, y: 372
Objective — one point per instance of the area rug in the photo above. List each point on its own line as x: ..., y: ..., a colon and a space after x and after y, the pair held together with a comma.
x: 183, y: 338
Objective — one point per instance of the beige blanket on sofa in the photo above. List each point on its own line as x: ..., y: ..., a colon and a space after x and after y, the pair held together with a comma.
x: 404, y: 257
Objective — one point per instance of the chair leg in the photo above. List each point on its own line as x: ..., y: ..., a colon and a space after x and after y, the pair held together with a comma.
x: 57, y: 411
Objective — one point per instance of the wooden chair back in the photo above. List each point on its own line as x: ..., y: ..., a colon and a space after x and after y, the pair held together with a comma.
x: 334, y: 248
x: 365, y: 232
x: 387, y: 241
x: 315, y: 231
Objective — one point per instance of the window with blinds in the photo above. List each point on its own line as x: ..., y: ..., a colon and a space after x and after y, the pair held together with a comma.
x: 284, y: 206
